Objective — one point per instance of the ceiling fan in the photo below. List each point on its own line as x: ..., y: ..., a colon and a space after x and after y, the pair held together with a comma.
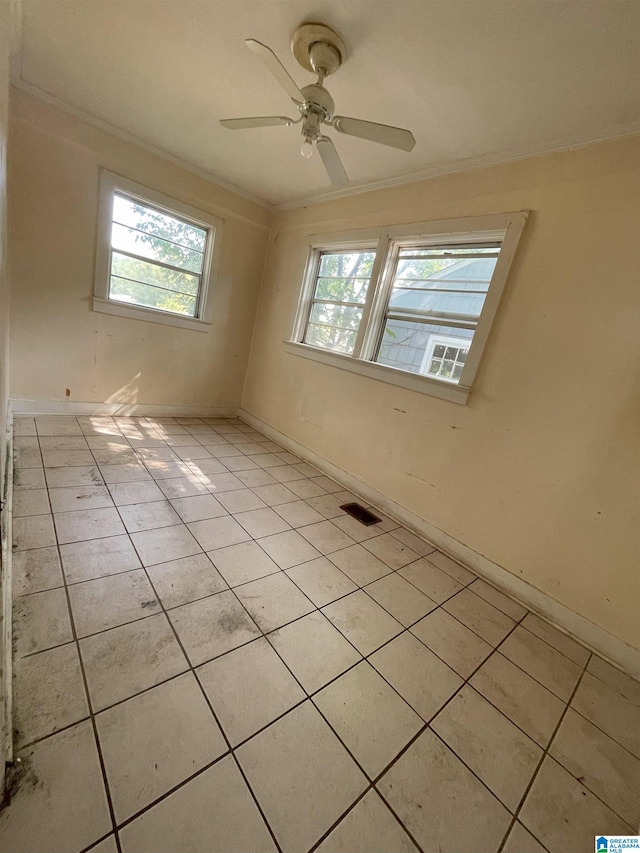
x: 318, y: 49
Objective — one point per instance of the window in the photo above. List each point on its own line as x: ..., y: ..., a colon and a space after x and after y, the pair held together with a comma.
x: 445, y: 357
x: 154, y: 257
x: 342, y: 280
x: 414, y: 300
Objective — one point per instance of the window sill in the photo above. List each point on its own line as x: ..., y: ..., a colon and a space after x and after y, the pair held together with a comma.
x: 136, y: 312
x: 391, y: 375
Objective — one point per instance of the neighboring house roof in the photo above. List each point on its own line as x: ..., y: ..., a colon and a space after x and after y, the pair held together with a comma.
x: 467, y: 274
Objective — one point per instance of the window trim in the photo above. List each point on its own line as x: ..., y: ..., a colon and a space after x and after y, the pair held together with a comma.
x: 505, y: 227
x: 111, y: 183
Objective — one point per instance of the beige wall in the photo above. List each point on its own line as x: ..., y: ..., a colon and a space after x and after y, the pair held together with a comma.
x: 58, y: 341
x: 538, y: 472
x: 4, y: 270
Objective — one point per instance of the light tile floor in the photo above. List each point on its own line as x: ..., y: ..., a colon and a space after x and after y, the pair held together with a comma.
x: 210, y: 655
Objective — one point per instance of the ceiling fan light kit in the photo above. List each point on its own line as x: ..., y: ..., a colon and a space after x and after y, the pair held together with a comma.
x: 319, y: 50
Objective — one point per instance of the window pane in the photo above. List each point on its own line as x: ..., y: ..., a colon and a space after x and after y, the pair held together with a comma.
x: 149, y: 273
x: 155, y: 248
x: 336, y: 315
x: 342, y: 290
x: 126, y: 211
x: 421, y: 348
x: 344, y: 276
x: 339, y: 340
x: 447, y: 369
x: 346, y: 264
x: 148, y: 296
x: 450, y: 280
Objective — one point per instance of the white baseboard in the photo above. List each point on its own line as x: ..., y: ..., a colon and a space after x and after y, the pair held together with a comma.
x: 612, y: 648
x: 73, y: 407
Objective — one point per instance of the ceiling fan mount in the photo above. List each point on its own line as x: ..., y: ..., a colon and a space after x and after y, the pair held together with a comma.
x: 317, y: 46
x: 320, y: 50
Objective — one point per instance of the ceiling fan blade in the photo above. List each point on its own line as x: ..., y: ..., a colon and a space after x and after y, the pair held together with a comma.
x: 257, y: 121
x: 276, y: 68
x: 332, y: 162
x: 385, y: 134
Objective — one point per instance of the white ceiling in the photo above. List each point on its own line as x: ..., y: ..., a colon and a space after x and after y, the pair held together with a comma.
x: 477, y: 81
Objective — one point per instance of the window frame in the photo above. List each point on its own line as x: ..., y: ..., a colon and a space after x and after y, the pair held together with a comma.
x: 368, y: 242
x: 507, y: 228
x: 313, y: 267
x: 110, y: 184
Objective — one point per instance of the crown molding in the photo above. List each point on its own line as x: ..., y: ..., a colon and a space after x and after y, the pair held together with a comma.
x: 630, y: 129
x: 94, y: 121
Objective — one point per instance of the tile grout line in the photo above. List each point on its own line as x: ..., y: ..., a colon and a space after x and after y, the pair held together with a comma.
x: 88, y: 697
x: 545, y: 752
x: 496, y: 650
x: 512, y: 813
x: 309, y: 697
x: 215, y: 717
x: 569, y: 707
x: 305, y: 692
x: 166, y: 794
x: 422, y: 730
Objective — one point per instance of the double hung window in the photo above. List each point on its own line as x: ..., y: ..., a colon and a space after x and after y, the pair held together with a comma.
x: 415, y: 300
x: 155, y: 255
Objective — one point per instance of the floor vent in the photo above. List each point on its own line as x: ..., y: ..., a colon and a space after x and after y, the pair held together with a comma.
x: 363, y: 515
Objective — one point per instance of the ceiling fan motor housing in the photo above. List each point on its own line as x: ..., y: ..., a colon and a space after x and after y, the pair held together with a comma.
x: 317, y: 99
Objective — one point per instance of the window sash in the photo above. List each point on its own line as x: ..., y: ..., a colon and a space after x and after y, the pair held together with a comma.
x: 308, y: 298
x: 423, y: 316
x: 196, y: 297
x: 203, y: 223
